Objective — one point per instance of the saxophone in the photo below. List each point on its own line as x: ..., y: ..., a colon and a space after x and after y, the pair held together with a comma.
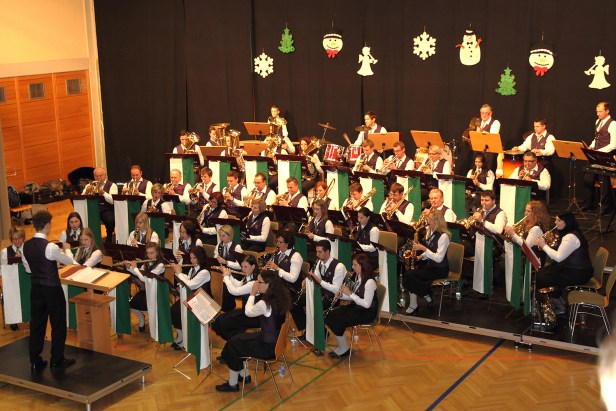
x: 411, y: 254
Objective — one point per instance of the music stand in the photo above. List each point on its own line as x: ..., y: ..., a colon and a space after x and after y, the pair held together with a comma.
x: 534, y: 188
x: 572, y: 151
x: 384, y: 140
x: 486, y: 142
x: 212, y: 150
x: 288, y: 214
x: 257, y: 129
x: 254, y: 148
x: 427, y: 138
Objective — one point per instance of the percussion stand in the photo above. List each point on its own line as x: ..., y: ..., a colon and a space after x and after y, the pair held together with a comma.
x: 573, y: 206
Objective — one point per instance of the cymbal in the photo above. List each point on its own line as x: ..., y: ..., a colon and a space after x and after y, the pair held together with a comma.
x: 221, y: 125
x: 327, y: 126
x: 362, y: 128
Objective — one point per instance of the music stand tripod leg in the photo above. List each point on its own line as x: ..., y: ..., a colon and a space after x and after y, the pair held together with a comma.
x: 574, y: 206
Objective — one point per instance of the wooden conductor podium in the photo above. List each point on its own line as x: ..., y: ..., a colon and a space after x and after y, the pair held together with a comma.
x: 93, y: 317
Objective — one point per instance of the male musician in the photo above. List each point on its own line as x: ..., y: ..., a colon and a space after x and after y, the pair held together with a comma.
x: 138, y: 185
x: 182, y: 148
x: 398, y: 161
x: 370, y: 122
x: 437, y: 200
x: 356, y: 192
x: 370, y: 161
x: 261, y: 190
x: 286, y: 143
x: 235, y: 192
x: 294, y: 197
x: 213, y: 141
x: 40, y: 259
x: 488, y: 123
x: 11, y: 290
x: 181, y: 189
x: 404, y: 211
x: 540, y: 142
x: 106, y: 189
x: 605, y: 141
x: 287, y: 261
x: 435, y: 164
x: 533, y: 171
x: 204, y: 189
x: 329, y: 273
x: 367, y: 233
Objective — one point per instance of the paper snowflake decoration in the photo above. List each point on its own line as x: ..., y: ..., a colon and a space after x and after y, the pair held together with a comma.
x: 424, y: 45
x: 264, y: 65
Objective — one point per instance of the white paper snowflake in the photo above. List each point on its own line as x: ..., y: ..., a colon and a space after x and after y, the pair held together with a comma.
x: 424, y: 45
x: 264, y: 65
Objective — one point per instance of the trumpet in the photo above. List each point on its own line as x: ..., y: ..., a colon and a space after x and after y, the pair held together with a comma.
x: 361, y: 162
x: 391, y: 208
x: 284, y: 197
x: 523, y: 174
x: 250, y: 198
x: 94, y: 188
x: 193, y: 193
x: 131, y: 187
x: 386, y: 164
x: 467, y: 222
x: 169, y: 188
x: 428, y: 165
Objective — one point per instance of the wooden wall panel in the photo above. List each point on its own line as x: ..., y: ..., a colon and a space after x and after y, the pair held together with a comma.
x: 14, y: 167
x: 73, y: 106
x: 75, y: 127
x: 11, y: 139
x: 9, y: 116
x: 60, y: 82
x: 37, y: 111
x: 9, y: 90
x: 39, y: 133
x: 75, y: 149
x: 23, y: 84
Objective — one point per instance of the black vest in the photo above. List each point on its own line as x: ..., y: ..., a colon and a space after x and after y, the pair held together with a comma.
x: 179, y: 189
x: 488, y: 125
x: 230, y: 256
x: 83, y: 254
x: 579, y: 259
x: 318, y: 229
x: 328, y: 275
x: 363, y: 237
x: 360, y: 291
x: 534, y: 174
x: 254, y: 226
x: 535, y: 143
x: 372, y: 161
x: 432, y: 245
x: 491, y: 216
x: 602, y: 136
x: 295, y: 201
x: 402, y: 165
x: 102, y: 203
x: 158, y: 207
x: 285, y: 265
x: 43, y: 271
x: 270, y: 327
x: 205, y: 286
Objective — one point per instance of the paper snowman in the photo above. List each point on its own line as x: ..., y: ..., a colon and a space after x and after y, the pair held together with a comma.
x: 470, y: 52
x: 541, y: 58
x: 332, y: 43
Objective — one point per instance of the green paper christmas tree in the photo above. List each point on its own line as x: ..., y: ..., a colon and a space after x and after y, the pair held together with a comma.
x: 286, y: 43
x: 505, y: 86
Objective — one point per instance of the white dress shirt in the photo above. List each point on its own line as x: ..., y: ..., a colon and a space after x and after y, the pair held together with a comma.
x: 203, y: 276
x: 113, y: 190
x: 494, y: 128
x: 612, y: 130
x: 234, y: 265
x: 339, y: 274
x: 406, y: 217
x: 258, y: 309
x: 499, y: 222
x: 296, y: 267
x: 569, y: 244
x: 52, y: 252
x: 544, y: 182
x: 441, y: 250
x: 490, y: 177
x: 369, y: 293
x: 549, y: 143
x: 362, y: 136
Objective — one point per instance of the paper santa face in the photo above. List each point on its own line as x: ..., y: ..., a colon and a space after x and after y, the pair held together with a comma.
x: 332, y: 43
x: 541, y: 60
x: 470, y: 51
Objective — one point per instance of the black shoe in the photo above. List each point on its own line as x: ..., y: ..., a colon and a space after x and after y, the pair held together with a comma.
x: 38, y: 366
x: 228, y: 388
x: 246, y: 379
x: 14, y: 327
x: 176, y: 346
x: 142, y: 328
x: 411, y: 311
x: 221, y: 360
x: 345, y: 354
x: 317, y: 352
x: 65, y: 363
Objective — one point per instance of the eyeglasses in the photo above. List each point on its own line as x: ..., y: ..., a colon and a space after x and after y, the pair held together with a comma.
x: 260, y: 282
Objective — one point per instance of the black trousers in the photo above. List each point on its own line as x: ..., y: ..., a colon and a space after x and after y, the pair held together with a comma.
x: 108, y: 219
x: 47, y: 302
x: 247, y: 345
x: 559, y: 276
x: 349, y: 315
x: 419, y: 281
x: 253, y: 246
x: 605, y: 192
x: 298, y: 310
x: 232, y: 323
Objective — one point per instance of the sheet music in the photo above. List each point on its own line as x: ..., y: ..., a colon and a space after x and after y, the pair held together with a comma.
x: 202, y: 306
x: 88, y: 275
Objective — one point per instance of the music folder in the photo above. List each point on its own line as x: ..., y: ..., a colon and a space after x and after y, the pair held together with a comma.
x: 202, y: 306
x: 532, y: 257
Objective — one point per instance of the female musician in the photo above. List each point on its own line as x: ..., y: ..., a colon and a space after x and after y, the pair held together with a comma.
x: 536, y: 222
x: 224, y: 253
x: 15, y: 280
x: 188, y: 239
x: 320, y: 189
x: 228, y: 324
x: 74, y: 226
x: 271, y: 310
x: 319, y: 224
x: 257, y: 227
x: 433, y: 265
x: 362, y: 308
x: 145, y: 299
x: 88, y: 253
x: 571, y: 260
x: 315, y: 172
x: 367, y: 233
x: 142, y: 234
x: 483, y: 179
x: 213, y: 209
x: 197, y: 277
x: 156, y: 204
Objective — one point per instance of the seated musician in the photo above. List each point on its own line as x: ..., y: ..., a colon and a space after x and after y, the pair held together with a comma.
x: 213, y: 209
x: 104, y: 188
x: 320, y: 193
x: 437, y: 202
x: 143, y: 233
x: 435, y: 164
x: 137, y: 186
x: 367, y: 233
x: 370, y: 122
x: 11, y: 285
x: 483, y: 179
x: 433, y: 263
x: 370, y: 161
x: 197, y: 277
x: 74, y: 226
x: 533, y: 171
x: 235, y: 192
x: 571, y: 259
x: 286, y: 261
x: 213, y: 138
x: 186, y: 147
x: 293, y: 197
x: 536, y: 223
x: 398, y: 161
x: 362, y: 307
x: 540, y: 142
x: 175, y: 187
x: 271, y: 311
x: 188, y: 239
x: 398, y: 207
x: 257, y: 227
x: 139, y: 302
x: 88, y: 253
x: 329, y: 273
x: 228, y: 324
x: 314, y: 171
x: 262, y: 191
x: 156, y: 204
x: 354, y: 202
x: 201, y: 192
x: 225, y: 256
x: 319, y: 224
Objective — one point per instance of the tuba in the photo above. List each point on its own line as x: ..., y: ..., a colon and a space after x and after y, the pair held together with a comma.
x: 193, y: 138
x: 276, y: 124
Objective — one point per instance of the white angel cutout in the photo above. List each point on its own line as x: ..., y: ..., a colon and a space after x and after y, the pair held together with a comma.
x: 599, y: 70
x: 366, y: 59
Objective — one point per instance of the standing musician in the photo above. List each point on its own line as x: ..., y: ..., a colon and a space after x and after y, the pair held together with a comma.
x: 145, y: 299
x: 367, y: 233
x: 234, y: 193
x: 571, y: 259
x: 362, y: 307
x: 540, y: 142
x: 319, y: 224
x: 483, y: 179
x: 271, y: 311
x: 185, y: 148
x: 74, y: 226
x: 143, y: 233
x: 533, y: 171
x: 397, y: 206
x: 137, y: 186
x: 488, y: 124
x: 276, y: 120
x: 175, y: 187
x: 286, y: 261
x: 370, y: 122
x: 201, y: 192
x: 213, y: 209
x: 88, y: 253
x: 197, y: 277
x: 15, y: 284
x: 313, y: 171
x: 105, y: 189
x: 356, y: 192
x: 536, y: 223
x: 47, y: 301
x: 370, y: 161
x: 437, y: 202
x: 320, y: 193
x: 188, y: 239
x: 293, y: 197
x: 329, y: 273
x: 156, y: 204
x: 433, y: 262
x: 262, y: 191
x: 398, y: 161
x: 257, y: 227
x: 228, y: 324
x: 224, y: 253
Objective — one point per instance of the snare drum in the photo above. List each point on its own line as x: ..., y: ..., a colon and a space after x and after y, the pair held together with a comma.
x: 421, y: 154
x: 512, y: 160
x: 353, y: 153
x: 333, y: 153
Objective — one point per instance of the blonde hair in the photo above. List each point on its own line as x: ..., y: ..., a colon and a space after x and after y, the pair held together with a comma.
x: 441, y: 225
x: 227, y: 229
x: 146, y: 220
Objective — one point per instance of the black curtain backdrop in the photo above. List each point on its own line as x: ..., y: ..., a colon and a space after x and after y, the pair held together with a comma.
x: 168, y: 65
